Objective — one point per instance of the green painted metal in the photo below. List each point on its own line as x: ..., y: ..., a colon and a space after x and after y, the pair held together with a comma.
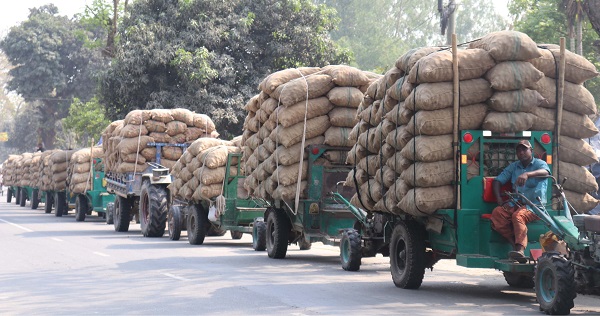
x: 30, y: 191
x: 98, y: 197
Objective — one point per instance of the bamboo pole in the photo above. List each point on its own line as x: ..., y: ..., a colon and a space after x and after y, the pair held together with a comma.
x: 559, y: 106
x: 455, y: 91
x: 92, y: 166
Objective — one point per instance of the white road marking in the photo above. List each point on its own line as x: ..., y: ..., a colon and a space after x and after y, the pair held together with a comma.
x: 56, y: 239
x: 175, y: 277
x: 101, y: 254
x: 18, y: 226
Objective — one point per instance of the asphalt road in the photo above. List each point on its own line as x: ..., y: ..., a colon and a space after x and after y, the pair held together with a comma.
x: 55, y: 266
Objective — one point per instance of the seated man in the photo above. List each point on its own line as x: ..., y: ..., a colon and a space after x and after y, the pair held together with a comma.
x: 510, y: 219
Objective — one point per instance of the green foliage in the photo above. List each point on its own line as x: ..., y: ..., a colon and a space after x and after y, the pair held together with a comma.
x: 86, y: 121
x: 210, y: 55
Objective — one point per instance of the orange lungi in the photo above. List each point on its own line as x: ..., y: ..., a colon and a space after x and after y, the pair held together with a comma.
x: 511, y: 223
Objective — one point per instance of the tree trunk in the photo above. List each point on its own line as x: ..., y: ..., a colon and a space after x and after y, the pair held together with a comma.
x: 580, y: 35
x: 572, y: 38
x: 592, y: 10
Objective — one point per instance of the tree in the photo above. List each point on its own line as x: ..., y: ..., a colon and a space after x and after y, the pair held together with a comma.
x: 52, y: 65
x: 209, y: 55
x: 86, y: 121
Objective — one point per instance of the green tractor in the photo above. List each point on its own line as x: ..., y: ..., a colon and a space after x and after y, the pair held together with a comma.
x: 97, y: 198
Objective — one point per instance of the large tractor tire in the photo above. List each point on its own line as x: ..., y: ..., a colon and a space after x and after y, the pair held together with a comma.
x: 555, y: 284
x: 9, y: 194
x: 351, y: 250
x: 60, y: 199
x: 35, y: 199
x: 23, y: 199
x: 174, y: 222
x: 236, y: 235
x: 278, y: 229
x: 153, y: 209
x: 407, y: 255
x: 110, y: 213
x: 81, y: 207
x: 49, y: 202
x: 17, y: 196
x: 197, y: 225
x: 259, y: 235
x: 517, y: 280
x: 122, y: 213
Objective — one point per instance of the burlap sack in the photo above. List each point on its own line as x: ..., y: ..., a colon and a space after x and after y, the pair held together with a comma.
x: 204, y: 122
x: 363, y: 202
x: 399, y: 115
x: 576, y: 98
x: 217, y: 156
x: 435, y: 96
x: 370, y: 164
x: 207, y: 192
x: 440, y: 122
x: 186, y: 192
x: 437, y: 66
x: 80, y: 178
x: 131, y: 145
x: 175, y: 128
x: 130, y: 167
x: 270, y: 165
x: 430, y: 174
x: 203, y: 143
x: 345, y: 96
x: 346, y: 76
x: 387, y: 151
x: 573, y: 125
x: 508, y: 45
x: 576, y: 151
x: 81, y: 167
x: 338, y: 137
x: 356, y: 178
x: 410, y: 58
x: 582, y: 202
x: 80, y: 188
x: 343, y: 117
x: 398, y: 163
x: 513, y: 75
x: 395, y: 90
x: 288, y: 116
x: 161, y: 137
x: 148, y: 154
x: 263, y: 153
x: 336, y: 157
x: 209, y: 176
x: 137, y: 117
x: 289, y: 192
x: 355, y: 154
x: 385, y: 176
x: 287, y: 156
x: 178, y: 139
x: 428, y: 148
x: 296, y: 90
x: 172, y: 152
x: 183, y: 115
x: 358, y: 129
x: 162, y: 115
x: 59, y: 167
x: 400, y: 188
x: 129, y: 131
x: 274, y: 80
x: 425, y: 201
x: 515, y: 101
x: 184, y: 175
x: 252, y: 105
x: 508, y: 122
x: 289, y: 136
x: 288, y: 175
x: 579, y: 179
x: 577, y: 68
x: 388, y: 204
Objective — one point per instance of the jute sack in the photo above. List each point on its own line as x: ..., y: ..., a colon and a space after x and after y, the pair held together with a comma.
x: 162, y: 115
x: 582, y: 202
x: 371, y: 190
x: 289, y: 192
x: 425, y: 201
x: 387, y: 151
x: 287, y: 156
x: 288, y: 136
x: 576, y: 98
x: 294, y: 114
x: 398, y: 163
x: 183, y: 115
x: 270, y: 165
x: 363, y: 203
x: 185, y: 175
x: 573, y: 125
x: 268, y: 106
x: 345, y: 96
x: 440, y: 122
x: 579, y: 179
x: 137, y: 117
x: 209, y: 176
x: 435, y: 96
x: 346, y: 76
x: 356, y: 176
x: 385, y: 176
x: 516, y: 101
x: 148, y: 154
x: 370, y: 140
x: 80, y: 187
x: 274, y: 80
x: 429, y: 148
x: 430, y: 174
x: 338, y: 137
x: 253, y: 142
x: 508, y: 122
x: 203, y: 143
x: 395, y: 90
x: 513, y: 75
x: 193, y: 133
x: 176, y: 127
x: 172, y: 152
x: 59, y: 167
x: 263, y: 152
x: 343, y: 117
x: 508, y: 45
x: 185, y: 192
x: 576, y: 151
x: 130, y: 167
x: 410, y: 58
x: 355, y: 154
x: 204, y: 122
x: 131, y: 145
x: 152, y: 126
x: 81, y: 167
x: 130, y: 131
x: 207, y: 192
x: 288, y: 175
x: 359, y: 128
x: 217, y: 156
x: 252, y: 104
x: 388, y: 204
x: 296, y: 90
x: 400, y: 188
x: 437, y: 66
x: 399, y: 115
x: 370, y: 164
x: 577, y: 68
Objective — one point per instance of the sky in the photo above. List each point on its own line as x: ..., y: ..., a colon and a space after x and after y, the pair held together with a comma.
x: 15, y: 11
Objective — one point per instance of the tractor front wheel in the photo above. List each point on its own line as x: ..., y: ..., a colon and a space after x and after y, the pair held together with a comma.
x: 555, y: 284
x: 9, y: 194
x: 17, y: 196
x: 81, y: 207
x: 350, y: 250
x: 174, y: 221
x: 23, y: 199
x: 277, y: 234
x: 122, y: 213
x: 153, y: 210
x: 49, y: 202
x: 35, y: 199
x: 407, y: 255
x: 110, y: 213
x: 259, y: 235
x: 197, y: 224
x: 60, y: 198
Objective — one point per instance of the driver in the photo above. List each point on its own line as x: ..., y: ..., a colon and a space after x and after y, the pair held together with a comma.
x: 510, y: 219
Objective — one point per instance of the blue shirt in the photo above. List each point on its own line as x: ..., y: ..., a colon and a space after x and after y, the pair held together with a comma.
x: 533, y: 187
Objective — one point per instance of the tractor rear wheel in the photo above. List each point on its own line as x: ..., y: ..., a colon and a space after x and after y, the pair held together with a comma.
x: 110, y: 213
x: 153, y: 210
x: 555, y: 284
x: 122, y: 213
x: 49, y: 202
x: 407, y: 255
x: 60, y: 199
x: 17, y: 196
x: 236, y: 235
x: 517, y: 280
x: 259, y: 235
x: 23, y: 199
x: 9, y: 193
x: 35, y: 199
x: 197, y: 224
x: 81, y: 207
x: 174, y: 220
x: 350, y: 250
x: 277, y: 234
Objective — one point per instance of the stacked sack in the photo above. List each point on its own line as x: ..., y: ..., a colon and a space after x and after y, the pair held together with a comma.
x: 23, y: 169
x: 200, y: 172
x: 125, y: 143
x: 79, y: 173
x: 578, y: 106
x: 45, y: 171
x: 59, y: 163
x: 274, y: 130
x: 9, y: 170
x: 35, y: 170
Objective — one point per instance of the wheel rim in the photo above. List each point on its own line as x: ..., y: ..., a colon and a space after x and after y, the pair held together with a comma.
x: 401, y: 255
x: 271, y: 234
x: 254, y: 235
x: 193, y: 224
x: 547, y: 285
x: 117, y: 211
x: 144, y: 207
x: 345, y: 250
x: 171, y: 223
